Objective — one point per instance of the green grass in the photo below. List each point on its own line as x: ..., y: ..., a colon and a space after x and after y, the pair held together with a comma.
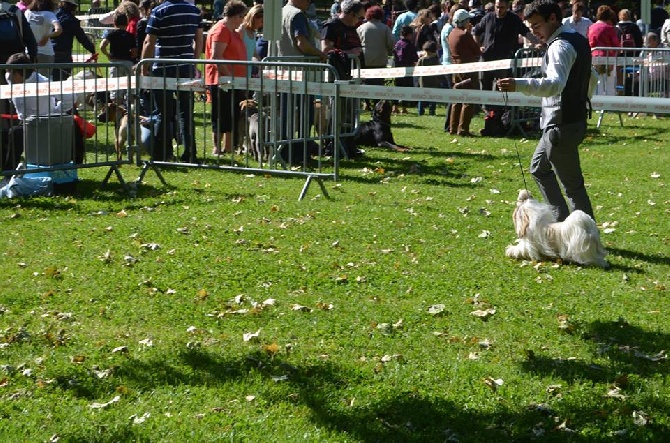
x: 90, y: 274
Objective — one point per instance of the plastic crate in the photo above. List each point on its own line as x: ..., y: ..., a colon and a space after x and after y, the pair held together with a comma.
x: 49, y: 140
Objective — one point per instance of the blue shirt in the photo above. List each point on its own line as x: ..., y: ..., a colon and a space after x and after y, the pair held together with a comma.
x: 174, y: 23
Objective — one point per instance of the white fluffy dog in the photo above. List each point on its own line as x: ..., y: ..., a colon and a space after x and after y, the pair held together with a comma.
x: 540, y: 237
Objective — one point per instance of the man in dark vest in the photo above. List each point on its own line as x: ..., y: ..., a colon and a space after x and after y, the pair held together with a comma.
x: 565, y: 87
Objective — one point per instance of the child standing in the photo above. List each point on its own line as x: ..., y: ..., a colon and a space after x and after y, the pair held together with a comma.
x: 404, y: 55
x: 122, y: 47
x: 430, y: 81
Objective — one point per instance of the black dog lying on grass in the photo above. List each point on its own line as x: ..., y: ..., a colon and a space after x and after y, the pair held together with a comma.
x: 377, y: 132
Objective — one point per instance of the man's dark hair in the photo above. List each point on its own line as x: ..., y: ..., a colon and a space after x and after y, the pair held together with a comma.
x: 411, y: 5
x: 21, y: 59
x: 430, y: 46
x: 406, y: 30
x: 543, y: 8
x: 120, y: 19
x: 351, y: 7
x: 233, y: 8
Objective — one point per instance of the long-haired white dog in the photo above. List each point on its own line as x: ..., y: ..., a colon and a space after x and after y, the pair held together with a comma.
x: 541, y: 237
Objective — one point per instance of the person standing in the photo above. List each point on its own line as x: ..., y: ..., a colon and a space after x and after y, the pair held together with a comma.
x: 464, y: 49
x: 340, y: 32
x: 248, y: 30
x: 377, y: 41
x: 21, y: 45
x: 45, y: 26
x: 497, y: 33
x: 119, y: 46
x: 429, y: 81
x: 296, y: 41
x: 577, y: 21
x: 629, y: 34
x: 603, y: 34
x: 296, y: 38
x: 565, y: 88
x: 404, y: 55
x: 406, y: 18
x: 225, y: 43
x: 174, y: 31
x: 63, y: 43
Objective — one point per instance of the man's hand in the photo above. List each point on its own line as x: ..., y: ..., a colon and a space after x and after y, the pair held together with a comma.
x: 507, y: 84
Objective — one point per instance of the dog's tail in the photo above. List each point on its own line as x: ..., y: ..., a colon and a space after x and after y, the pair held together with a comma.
x: 584, y: 243
x: 524, y: 195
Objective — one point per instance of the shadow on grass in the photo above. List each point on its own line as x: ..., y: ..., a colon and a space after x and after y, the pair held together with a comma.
x: 385, y: 415
x: 656, y: 259
x: 628, y: 349
x: 438, y: 172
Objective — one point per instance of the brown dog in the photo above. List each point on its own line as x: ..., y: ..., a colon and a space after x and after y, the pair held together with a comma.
x: 321, y: 116
x: 119, y: 115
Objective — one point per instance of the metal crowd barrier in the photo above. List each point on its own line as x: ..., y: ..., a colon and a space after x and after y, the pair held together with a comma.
x: 349, y: 108
x: 47, y: 137
x: 274, y: 104
x: 632, y: 72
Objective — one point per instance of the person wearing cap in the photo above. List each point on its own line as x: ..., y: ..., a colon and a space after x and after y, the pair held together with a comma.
x: 565, y: 87
x: 497, y: 33
x: 63, y: 43
x: 464, y: 49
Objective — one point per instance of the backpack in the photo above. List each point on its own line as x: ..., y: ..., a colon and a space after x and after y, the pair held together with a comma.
x: 496, y: 122
x: 11, y: 29
x: 627, y: 40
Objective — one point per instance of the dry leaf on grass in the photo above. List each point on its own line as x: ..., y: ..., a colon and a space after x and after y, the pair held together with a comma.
x: 484, y: 314
x: 438, y: 309
x: 493, y: 383
x: 251, y: 336
x: 116, y: 399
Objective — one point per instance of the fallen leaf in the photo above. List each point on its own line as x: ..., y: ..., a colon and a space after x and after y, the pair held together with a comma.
x: 436, y: 309
x: 615, y: 392
x: 120, y: 350
x: 271, y: 349
x: 116, y: 399
x: 484, y: 314
x: 301, y: 308
x: 251, y: 336
x: 493, y: 383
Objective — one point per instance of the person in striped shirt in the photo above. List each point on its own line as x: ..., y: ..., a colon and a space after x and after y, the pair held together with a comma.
x: 174, y: 32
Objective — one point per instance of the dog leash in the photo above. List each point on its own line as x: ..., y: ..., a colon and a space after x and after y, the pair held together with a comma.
x: 516, y: 146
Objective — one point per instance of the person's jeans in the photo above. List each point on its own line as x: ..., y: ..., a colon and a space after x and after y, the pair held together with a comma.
x: 175, y: 109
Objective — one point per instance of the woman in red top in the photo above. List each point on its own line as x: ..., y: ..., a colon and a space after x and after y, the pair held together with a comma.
x: 224, y: 43
x: 602, y: 34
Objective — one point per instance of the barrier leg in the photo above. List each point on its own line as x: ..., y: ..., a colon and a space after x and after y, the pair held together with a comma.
x: 144, y: 170
x: 115, y: 170
x: 305, y: 187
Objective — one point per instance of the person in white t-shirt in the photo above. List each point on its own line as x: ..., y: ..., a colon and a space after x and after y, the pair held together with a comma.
x: 577, y: 21
x: 45, y: 26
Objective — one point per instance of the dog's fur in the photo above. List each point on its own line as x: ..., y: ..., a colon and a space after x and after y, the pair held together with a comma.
x: 119, y: 115
x: 541, y: 237
x: 250, y: 127
x: 321, y: 117
x: 377, y: 132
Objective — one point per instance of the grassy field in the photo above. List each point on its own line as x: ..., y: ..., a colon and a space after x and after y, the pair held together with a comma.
x: 220, y: 308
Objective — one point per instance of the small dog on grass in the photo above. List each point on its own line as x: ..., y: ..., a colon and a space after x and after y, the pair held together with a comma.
x: 377, y: 132
x: 541, y: 237
x: 249, y: 127
x: 118, y: 114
